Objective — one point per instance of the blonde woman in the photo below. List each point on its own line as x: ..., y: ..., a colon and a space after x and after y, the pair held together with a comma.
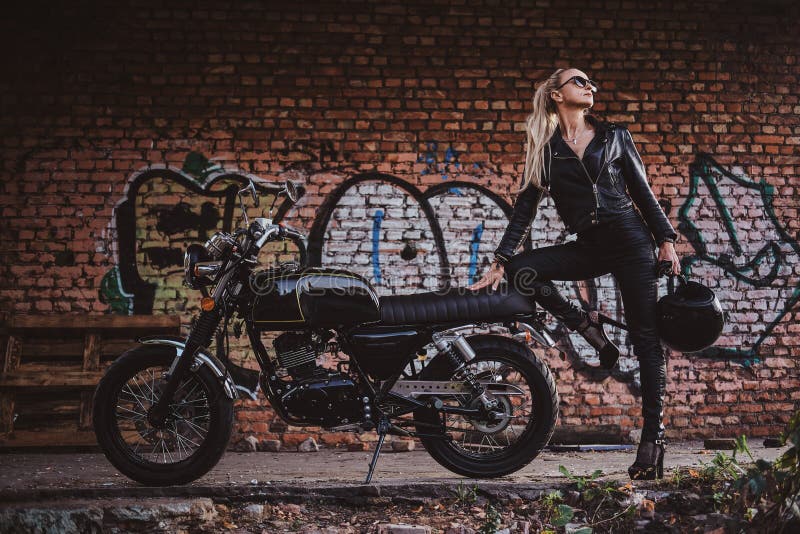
x: 597, y: 181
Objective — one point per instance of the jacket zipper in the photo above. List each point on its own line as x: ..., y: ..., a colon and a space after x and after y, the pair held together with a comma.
x: 594, y: 183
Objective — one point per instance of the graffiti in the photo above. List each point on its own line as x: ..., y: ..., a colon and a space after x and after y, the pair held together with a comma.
x: 409, y: 245
x: 453, y: 236
x: 745, y: 244
x: 179, y: 219
x: 404, y: 239
x: 307, y: 155
x: 162, y: 211
x: 163, y: 257
x: 449, y: 165
x: 64, y: 258
x: 409, y: 251
x: 473, y: 256
x: 376, y: 236
x: 199, y: 166
x: 433, y: 166
x: 112, y: 293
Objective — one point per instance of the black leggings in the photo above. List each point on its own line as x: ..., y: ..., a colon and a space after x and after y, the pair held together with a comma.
x: 625, y: 248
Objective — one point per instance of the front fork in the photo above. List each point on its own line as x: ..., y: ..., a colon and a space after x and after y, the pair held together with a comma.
x: 199, y: 337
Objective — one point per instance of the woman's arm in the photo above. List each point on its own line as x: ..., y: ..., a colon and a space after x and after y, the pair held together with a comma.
x: 519, y: 224
x: 642, y: 195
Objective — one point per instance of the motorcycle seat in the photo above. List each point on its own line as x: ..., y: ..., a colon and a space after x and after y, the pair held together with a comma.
x: 455, y: 305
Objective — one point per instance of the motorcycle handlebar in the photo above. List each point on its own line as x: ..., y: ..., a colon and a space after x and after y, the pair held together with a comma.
x: 273, y: 231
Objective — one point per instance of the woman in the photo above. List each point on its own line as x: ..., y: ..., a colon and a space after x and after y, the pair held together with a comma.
x: 595, y: 176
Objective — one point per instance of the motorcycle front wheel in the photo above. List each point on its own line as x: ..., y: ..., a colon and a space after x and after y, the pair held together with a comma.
x: 483, y: 448
x: 194, y: 436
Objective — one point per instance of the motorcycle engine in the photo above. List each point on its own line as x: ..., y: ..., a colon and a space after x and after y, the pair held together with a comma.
x: 317, y: 395
x: 327, y: 399
x: 297, y: 353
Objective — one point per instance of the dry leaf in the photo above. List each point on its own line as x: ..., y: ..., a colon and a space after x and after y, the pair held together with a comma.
x: 647, y: 508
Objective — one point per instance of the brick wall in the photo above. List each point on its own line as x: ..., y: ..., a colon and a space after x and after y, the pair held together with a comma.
x: 410, y: 114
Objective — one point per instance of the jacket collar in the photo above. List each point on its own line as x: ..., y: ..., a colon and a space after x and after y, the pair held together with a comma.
x: 601, y: 127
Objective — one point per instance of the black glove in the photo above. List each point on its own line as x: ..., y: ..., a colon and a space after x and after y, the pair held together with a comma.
x: 663, y: 268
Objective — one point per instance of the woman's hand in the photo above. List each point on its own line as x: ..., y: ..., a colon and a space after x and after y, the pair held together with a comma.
x: 493, y: 277
x: 666, y: 252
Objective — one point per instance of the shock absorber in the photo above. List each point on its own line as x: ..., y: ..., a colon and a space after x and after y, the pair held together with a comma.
x: 204, y: 328
x: 459, y: 353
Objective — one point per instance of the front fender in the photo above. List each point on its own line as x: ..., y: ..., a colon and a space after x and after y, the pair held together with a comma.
x: 201, y: 358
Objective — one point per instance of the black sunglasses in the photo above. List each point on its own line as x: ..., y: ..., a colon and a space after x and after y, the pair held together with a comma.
x: 581, y: 82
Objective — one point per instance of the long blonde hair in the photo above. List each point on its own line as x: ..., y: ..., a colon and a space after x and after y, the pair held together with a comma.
x: 539, y: 128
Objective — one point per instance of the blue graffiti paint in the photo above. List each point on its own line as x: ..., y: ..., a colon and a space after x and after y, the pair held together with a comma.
x: 433, y: 165
x: 376, y: 239
x: 473, y: 253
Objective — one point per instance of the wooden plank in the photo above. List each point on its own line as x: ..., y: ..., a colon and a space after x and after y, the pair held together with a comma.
x: 52, y: 348
x: 68, y: 438
x: 11, y: 355
x: 24, y: 378
x: 47, y: 404
x: 72, y: 349
x: 91, y: 352
x: 77, y: 324
x: 85, y: 413
x: 6, y: 411
x: 115, y: 347
x: 50, y: 367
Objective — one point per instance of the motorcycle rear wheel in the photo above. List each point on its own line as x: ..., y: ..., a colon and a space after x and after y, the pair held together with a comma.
x: 187, y: 447
x: 483, y: 449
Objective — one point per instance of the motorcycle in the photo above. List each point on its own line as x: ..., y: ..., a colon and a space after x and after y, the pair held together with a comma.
x: 482, y: 405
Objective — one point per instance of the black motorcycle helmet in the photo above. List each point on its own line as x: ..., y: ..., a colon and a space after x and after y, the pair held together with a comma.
x: 690, y: 318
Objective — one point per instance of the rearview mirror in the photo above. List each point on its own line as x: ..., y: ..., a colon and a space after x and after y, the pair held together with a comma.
x: 291, y: 190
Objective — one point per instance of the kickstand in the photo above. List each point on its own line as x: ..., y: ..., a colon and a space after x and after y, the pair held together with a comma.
x: 383, y: 428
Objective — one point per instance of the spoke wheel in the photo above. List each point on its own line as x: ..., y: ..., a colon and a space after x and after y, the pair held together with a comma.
x: 185, y: 429
x: 489, y: 435
x: 507, y: 437
x: 189, y: 442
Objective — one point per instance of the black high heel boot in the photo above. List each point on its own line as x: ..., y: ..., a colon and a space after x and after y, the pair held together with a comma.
x: 649, y: 463
x: 592, y: 331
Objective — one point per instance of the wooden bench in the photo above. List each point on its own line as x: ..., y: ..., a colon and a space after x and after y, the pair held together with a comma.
x: 49, y: 367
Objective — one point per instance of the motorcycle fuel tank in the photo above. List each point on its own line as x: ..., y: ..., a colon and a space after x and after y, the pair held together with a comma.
x: 315, y: 297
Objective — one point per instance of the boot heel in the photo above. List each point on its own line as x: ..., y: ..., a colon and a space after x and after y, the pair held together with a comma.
x: 649, y: 464
x: 607, y: 350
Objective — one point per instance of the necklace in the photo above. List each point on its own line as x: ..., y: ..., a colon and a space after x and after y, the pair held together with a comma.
x: 575, y: 139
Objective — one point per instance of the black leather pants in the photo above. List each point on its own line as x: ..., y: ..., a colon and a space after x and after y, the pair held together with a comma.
x: 625, y: 248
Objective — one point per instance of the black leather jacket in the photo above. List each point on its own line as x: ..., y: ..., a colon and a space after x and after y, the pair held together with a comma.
x: 617, y: 181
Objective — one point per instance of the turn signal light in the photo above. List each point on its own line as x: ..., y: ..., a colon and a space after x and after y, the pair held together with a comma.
x: 207, y: 304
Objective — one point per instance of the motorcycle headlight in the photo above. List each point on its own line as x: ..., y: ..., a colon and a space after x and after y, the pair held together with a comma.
x: 198, y: 270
